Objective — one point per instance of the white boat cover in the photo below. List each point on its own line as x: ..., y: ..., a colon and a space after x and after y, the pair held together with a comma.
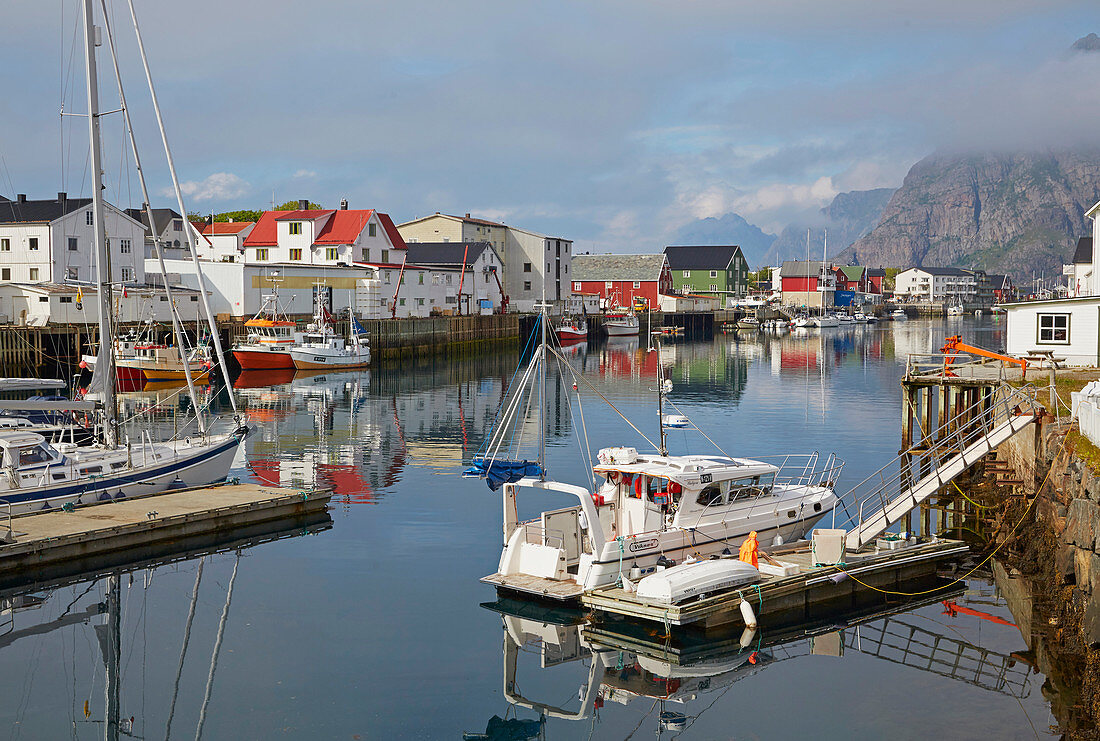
x: 687, y: 580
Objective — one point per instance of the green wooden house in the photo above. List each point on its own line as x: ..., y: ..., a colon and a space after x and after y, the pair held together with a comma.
x: 709, y: 270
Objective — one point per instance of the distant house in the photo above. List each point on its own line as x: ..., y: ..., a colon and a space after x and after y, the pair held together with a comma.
x: 226, y: 239
x: 806, y: 283
x: 851, y: 278
x: 472, y: 266
x: 322, y: 237
x: 708, y: 270
x: 619, y: 279
x: 1079, y: 272
x: 938, y: 284
x: 1002, y: 287
x: 876, y: 278
x: 169, y: 230
x: 1066, y: 326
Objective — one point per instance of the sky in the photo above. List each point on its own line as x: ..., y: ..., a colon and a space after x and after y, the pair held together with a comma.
x: 610, y: 122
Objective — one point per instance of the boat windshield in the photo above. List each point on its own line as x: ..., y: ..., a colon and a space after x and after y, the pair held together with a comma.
x: 750, y: 487
x: 31, y: 456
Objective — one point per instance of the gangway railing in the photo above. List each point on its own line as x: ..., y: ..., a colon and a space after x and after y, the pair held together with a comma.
x: 891, y: 492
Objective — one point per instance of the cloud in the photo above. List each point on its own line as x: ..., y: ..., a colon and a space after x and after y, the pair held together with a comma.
x: 306, y: 174
x: 220, y: 186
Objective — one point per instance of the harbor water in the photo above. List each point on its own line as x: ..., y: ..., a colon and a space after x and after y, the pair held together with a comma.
x: 374, y: 628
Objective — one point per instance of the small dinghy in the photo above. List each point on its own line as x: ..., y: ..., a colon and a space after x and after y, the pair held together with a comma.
x: 696, y: 579
x: 677, y: 421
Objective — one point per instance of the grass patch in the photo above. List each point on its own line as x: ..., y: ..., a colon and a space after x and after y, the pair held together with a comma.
x: 1084, y: 449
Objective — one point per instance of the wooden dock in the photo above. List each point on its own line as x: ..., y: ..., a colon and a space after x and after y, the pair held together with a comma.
x: 50, y: 544
x: 791, y: 598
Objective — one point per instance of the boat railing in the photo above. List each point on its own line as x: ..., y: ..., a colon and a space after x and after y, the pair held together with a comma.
x: 806, y: 469
x: 9, y: 537
x: 535, y: 533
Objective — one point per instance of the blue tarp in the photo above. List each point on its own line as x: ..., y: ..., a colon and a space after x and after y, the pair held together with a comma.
x: 843, y: 298
x: 498, y: 472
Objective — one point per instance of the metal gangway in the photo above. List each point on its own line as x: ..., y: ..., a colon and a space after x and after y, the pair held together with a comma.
x: 892, y: 492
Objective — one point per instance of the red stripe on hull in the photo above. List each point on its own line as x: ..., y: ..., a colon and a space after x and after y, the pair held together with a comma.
x: 263, y: 359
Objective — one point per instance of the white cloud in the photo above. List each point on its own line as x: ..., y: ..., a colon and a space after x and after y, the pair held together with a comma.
x: 220, y: 186
x: 305, y: 174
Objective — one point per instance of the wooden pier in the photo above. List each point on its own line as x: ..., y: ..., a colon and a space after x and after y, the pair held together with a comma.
x: 48, y: 545
x: 813, y: 589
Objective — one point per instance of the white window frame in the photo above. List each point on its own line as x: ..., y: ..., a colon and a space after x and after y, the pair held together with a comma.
x: 1056, y: 331
x: 637, y: 284
x: 714, y: 274
x: 687, y: 273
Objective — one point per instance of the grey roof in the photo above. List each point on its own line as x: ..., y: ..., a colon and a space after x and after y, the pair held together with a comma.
x: 998, y: 282
x: 703, y: 257
x: 1084, y: 251
x: 162, y: 217
x: 445, y: 253
x: 947, y: 271
x: 25, y: 211
x: 876, y: 272
x: 617, y: 267
x: 801, y: 268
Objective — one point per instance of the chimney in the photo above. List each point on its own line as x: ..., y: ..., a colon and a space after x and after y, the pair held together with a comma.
x: 21, y: 198
x: 230, y: 219
x: 62, y: 197
x: 343, y: 204
x: 303, y: 205
x: 467, y: 214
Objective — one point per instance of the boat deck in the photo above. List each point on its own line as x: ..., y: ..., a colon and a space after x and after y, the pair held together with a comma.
x: 51, y: 542
x: 537, y: 586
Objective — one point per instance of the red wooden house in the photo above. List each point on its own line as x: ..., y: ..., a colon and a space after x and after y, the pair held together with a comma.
x: 619, y: 279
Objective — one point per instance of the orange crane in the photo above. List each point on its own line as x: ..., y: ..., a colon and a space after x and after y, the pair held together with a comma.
x: 955, y: 344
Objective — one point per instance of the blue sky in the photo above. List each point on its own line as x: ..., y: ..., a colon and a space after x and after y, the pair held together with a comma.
x: 611, y: 123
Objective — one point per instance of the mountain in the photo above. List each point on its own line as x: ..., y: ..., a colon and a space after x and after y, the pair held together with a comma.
x: 850, y: 216
x: 728, y: 229
x: 1006, y: 213
x: 1086, y: 44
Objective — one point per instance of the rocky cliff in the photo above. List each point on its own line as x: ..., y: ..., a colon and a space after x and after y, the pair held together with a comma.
x: 729, y: 229
x: 1015, y: 213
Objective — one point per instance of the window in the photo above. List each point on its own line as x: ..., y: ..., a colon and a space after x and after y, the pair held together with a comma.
x: 527, y: 267
x: 372, y: 230
x: 714, y: 274
x: 387, y: 274
x: 332, y: 253
x: 712, y: 495
x: 420, y: 278
x: 65, y: 299
x: 5, y: 274
x: 295, y: 227
x: 127, y: 273
x: 43, y: 299
x: 73, y: 247
x: 72, y: 274
x: 124, y: 246
x: 714, y: 286
x: 89, y: 218
x: 195, y: 299
x: 608, y: 285
x: 527, y: 285
x: 687, y: 273
x: 565, y: 269
x: 385, y: 256
x: 577, y: 286
x: 420, y: 302
x: 5, y: 245
x: 32, y: 244
x: 261, y: 254
x: 400, y: 302
x: 296, y: 254
x: 1054, y: 329
x: 34, y: 273
x: 637, y: 284
x: 177, y: 225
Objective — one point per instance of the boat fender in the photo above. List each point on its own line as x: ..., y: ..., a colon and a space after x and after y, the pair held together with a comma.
x: 838, y: 578
x: 747, y: 614
x: 747, y: 637
x: 778, y: 540
x: 635, y: 572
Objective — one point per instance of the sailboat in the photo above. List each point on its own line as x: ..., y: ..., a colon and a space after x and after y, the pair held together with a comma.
x: 647, y: 510
x: 38, y: 475
x: 825, y: 319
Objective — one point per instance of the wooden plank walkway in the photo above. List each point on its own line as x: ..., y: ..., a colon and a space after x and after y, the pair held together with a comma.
x: 47, y: 541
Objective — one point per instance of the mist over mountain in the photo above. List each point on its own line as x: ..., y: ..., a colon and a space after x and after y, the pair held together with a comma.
x: 850, y: 216
x: 1017, y: 213
x: 728, y: 229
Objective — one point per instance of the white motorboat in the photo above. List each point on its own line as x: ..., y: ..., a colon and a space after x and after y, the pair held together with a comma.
x: 955, y: 310
x: 620, y: 324
x: 898, y: 315
x: 826, y: 320
x: 696, y: 579
x: 322, y: 349
x: 803, y: 322
x: 676, y: 421
x: 860, y: 318
x: 645, y: 510
x: 845, y: 318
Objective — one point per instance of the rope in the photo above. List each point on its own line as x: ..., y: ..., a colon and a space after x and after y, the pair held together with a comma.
x: 980, y: 506
x: 985, y: 560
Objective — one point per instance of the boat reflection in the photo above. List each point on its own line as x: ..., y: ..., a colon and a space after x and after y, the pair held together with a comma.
x: 629, y: 661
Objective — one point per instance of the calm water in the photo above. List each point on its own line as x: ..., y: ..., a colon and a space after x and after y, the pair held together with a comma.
x: 374, y: 629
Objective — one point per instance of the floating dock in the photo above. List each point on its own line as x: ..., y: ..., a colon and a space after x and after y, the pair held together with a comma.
x: 49, y: 545
x: 785, y: 599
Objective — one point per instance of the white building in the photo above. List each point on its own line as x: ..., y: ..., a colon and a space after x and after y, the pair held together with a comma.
x: 322, y: 237
x: 52, y: 241
x: 170, y: 232
x: 475, y: 266
x: 529, y: 258
x: 1068, y: 327
x: 225, y: 239
x: 39, y: 304
x: 938, y: 284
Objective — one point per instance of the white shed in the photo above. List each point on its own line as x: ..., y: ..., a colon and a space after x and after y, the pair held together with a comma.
x: 1069, y: 327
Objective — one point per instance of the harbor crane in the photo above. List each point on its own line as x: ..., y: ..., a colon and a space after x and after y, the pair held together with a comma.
x: 954, y: 344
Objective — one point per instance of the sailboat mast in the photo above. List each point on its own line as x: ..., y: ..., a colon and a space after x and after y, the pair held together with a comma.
x: 542, y: 386
x: 660, y: 401
x: 824, y: 273
x: 102, y: 259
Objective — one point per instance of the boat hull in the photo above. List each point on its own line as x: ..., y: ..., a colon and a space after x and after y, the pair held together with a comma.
x: 321, y: 362
x: 619, y: 330
x: 172, y: 374
x: 263, y: 359
x: 571, y: 334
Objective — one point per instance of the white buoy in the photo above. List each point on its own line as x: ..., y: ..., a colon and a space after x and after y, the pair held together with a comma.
x: 747, y: 614
x: 747, y: 636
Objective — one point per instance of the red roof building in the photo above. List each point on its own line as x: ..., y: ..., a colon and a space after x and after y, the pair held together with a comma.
x: 323, y: 237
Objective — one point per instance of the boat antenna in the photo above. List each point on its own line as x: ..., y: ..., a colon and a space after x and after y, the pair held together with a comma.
x: 102, y: 263
x: 663, y: 450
